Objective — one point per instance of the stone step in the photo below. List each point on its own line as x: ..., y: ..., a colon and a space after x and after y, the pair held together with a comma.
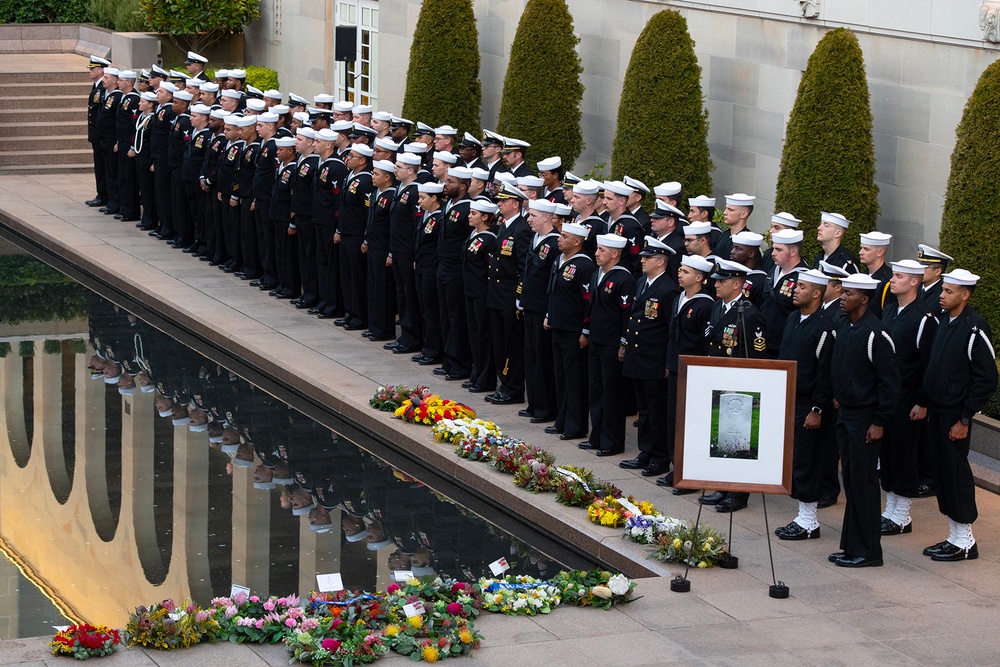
x: 51, y: 157
x: 47, y: 115
x: 43, y: 77
x: 45, y: 128
x: 51, y: 143
x: 44, y: 102
x: 74, y: 168
x: 81, y: 88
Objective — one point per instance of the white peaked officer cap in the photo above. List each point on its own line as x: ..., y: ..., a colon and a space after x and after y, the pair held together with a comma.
x: 636, y: 184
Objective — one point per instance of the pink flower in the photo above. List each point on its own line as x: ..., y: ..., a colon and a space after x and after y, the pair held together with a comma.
x: 201, y: 617
x: 169, y: 606
x: 309, y: 624
x: 392, y: 588
x: 282, y: 601
x: 454, y: 608
x: 260, y: 624
x: 335, y: 623
x: 331, y: 645
x: 292, y: 600
x: 254, y: 598
x: 269, y: 606
x: 230, y: 611
x: 458, y: 587
x: 291, y: 622
x: 191, y: 608
x: 240, y: 598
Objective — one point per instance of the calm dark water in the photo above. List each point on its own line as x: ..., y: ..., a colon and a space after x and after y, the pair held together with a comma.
x: 134, y: 469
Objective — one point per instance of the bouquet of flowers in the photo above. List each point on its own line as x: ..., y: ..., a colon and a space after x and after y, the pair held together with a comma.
x: 509, y: 456
x: 338, y: 643
x: 85, y: 641
x: 165, y: 626
x: 606, y: 512
x: 432, y: 637
x: 474, y: 450
x: 582, y: 494
x: 250, y: 619
x: 441, y: 597
x: 597, y: 588
x: 432, y: 409
x: 463, y: 430
x: 519, y: 595
x: 350, y: 606
x: 678, y: 542
x: 389, y: 398
x: 534, y: 475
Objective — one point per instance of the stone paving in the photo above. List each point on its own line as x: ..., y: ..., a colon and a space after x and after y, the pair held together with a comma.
x: 911, y: 612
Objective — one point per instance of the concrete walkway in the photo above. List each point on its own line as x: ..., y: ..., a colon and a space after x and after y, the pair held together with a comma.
x: 910, y: 612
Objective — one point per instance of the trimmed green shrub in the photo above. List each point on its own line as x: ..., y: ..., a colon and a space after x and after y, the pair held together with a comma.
x: 258, y: 77
x: 662, y: 126
x: 828, y: 161
x: 5, y: 350
x: 78, y: 346
x: 52, y: 347
x: 196, y: 24
x: 442, y: 82
x: 31, y: 291
x: 970, y: 224
x: 118, y: 15
x: 26, y: 349
x: 43, y: 11
x: 542, y: 91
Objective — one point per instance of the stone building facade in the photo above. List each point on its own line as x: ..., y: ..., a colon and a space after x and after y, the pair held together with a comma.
x: 923, y: 59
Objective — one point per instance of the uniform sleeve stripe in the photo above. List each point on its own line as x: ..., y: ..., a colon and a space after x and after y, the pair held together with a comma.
x: 889, y: 340
x: 819, y: 346
x: 920, y: 330
x: 986, y: 341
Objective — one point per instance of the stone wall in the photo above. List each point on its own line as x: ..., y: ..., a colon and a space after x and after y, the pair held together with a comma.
x: 923, y: 59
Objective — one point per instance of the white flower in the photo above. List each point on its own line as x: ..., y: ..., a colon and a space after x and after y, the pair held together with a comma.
x: 618, y: 584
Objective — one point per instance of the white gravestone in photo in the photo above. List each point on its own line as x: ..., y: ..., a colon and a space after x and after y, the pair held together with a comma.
x: 735, y: 420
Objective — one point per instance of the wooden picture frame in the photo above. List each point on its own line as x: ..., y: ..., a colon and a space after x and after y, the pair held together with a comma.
x: 735, y: 424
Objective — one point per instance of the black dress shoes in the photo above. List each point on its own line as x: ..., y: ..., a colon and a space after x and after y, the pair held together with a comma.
x: 925, y: 491
x: 428, y: 361
x: 654, y: 469
x: 890, y: 527
x: 406, y: 350
x: 523, y: 413
x: 301, y: 305
x: 325, y: 316
x: 950, y: 553
x: 543, y: 420
x: 476, y: 389
x: 354, y: 327
x: 391, y: 345
x: 730, y: 505
x: 341, y: 322
x: 440, y: 371
x: 279, y: 295
x: 836, y: 555
x: 682, y: 492
x: 501, y: 398
x: 638, y: 463
x: 95, y: 202
x: 793, y: 531
x: 466, y: 384
x: 826, y: 501
x: 609, y: 452
x: 313, y: 311
x: 713, y: 498
x: 586, y: 445
x: 452, y: 377
x: 571, y: 436
x: 552, y: 430
x: 857, y: 561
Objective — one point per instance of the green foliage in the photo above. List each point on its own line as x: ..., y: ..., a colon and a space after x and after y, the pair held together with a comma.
x: 118, y: 15
x: 78, y: 346
x: 970, y: 224
x: 31, y: 291
x: 662, y: 126
x: 196, y: 24
x: 5, y: 350
x: 258, y: 77
x: 26, y: 349
x: 542, y: 91
x: 828, y: 161
x: 43, y: 11
x: 442, y: 82
x: 52, y: 347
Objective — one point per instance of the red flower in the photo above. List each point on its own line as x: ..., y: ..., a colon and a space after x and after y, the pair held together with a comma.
x: 454, y: 608
x: 331, y: 645
x: 458, y: 587
x: 392, y: 588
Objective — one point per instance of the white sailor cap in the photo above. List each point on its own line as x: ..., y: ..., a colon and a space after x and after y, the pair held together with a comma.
x: 550, y: 163
x: 748, y: 238
x: 183, y: 95
x: 875, y: 238
x: 268, y: 117
x: 530, y: 181
x: 483, y: 206
x: 701, y: 201
x: 343, y: 107
x: 272, y: 94
x: 563, y: 210
x: 384, y: 165
x: 323, y: 98
x: 814, y: 276
x: 237, y: 74
x: 446, y: 130
x: 542, y: 206
x: 209, y: 87
x: 169, y: 87
x: 462, y: 173
x: 667, y: 189
x: 127, y: 74
x: 740, y: 199
x: 362, y: 109
x: 202, y: 109
x: 698, y: 228
x: 409, y: 159
x: 611, y: 241
x: 256, y: 105
x: 960, y: 277
x: 910, y: 266
x: 285, y: 142
x: 480, y: 174
x: 220, y: 113
x: 575, y: 229
x: 306, y: 132
x: 445, y: 156
x: 113, y: 71
x: 587, y: 187
x: 861, y: 281
x: 785, y: 219
x: 698, y: 263
x: 619, y: 188
x: 386, y: 144
x: 383, y: 116
x: 149, y: 96
x: 362, y: 149
x: 301, y: 116
x: 326, y: 134
x: 431, y: 187
x: 636, y: 184
x: 233, y: 94
x: 415, y: 147
x: 219, y: 73
x: 834, y: 219
x: 342, y: 126
x: 787, y: 236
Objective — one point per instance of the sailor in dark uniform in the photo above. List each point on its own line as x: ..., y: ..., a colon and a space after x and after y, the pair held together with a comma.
x: 912, y: 328
x: 514, y: 153
x: 872, y: 255
x: 327, y: 197
x: 470, y: 151
x: 195, y: 65
x: 491, y: 157
x: 612, y: 289
x: 736, y: 329
x: 634, y: 206
x: 746, y: 251
x: 739, y: 207
x: 107, y: 133
x: 643, y: 354
x: 95, y: 102
x: 865, y: 388
x: 475, y: 276
x: 431, y: 197
x: 779, y: 221
x: 666, y: 224
x: 457, y: 363
x: 778, y: 299
x: 808, y: 340
x: 830, y: 235
x: 551, y: 171
x: 935, y: 264
x: 623, y: 223
x: 962, y: 371
x: 700, y: 209
x: 381, y: 288
x: 404, y: 219
x: 691, y: 311
x: 280, y: 211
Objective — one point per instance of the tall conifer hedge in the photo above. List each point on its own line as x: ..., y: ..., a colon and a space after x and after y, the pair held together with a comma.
x: 970, y: 225
x: 442, y: 82
x: 662, y: 126
x: 542, y: 91
x: 828, y: 161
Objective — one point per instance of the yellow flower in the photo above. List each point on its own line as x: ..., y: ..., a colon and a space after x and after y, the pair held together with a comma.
x: 412, y: 581
x: 430, y: 654
x: 677, y: 544
x: 416, y: 621
x: 392, y: 630
x: 464, y: 636
x: 702, y: 564
x: 709, y: 539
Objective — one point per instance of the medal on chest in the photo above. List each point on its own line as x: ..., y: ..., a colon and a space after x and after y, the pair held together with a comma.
x: 199, y: 142
x: 454, y: 216
x: 787, y: 287
x: 284, y: 176
x: 405, y: 198
x: 353, y: 189
x: 543, y: 252
x: 609, y: 286
x: 323, y: 173
x: 475, y: 246
x: 730, y: 336
x: 652, y: 309
x: 304, y: 169
x: 569, y: 271
x: 507, y: 247
x: 429, y: 226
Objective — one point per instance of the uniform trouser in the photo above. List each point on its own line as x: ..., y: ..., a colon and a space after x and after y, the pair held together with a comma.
x: 407, y: 300
x: 111, y: 176
x: 831, y: 449
x: 231, y: 231
x: 539, y: 376
x: 900, y: 449
x: 431, y: 315
x: 248, y: 239
x: 956, y: 488
x: 129, y: 178
x: 651, y: 399
x: 183, y: 220
x: 354, y: 278
x: 305, y: 229
x: 265, y: 242
x: 808, y: 456
x: 381, y: 291
x: 861, y: 534
x: 457, y: 355
x: 329, y: 292
x: 164, y: 201
x: 607, y: 419
x: 507, y: 330
x: 147, y: 195
x: 925, y: 459
x: 484, y: 374
x: 99, y: 175
x: 569, y: 362
x: 217, y: 238
x: 286, y: 258
x: 200, y: 213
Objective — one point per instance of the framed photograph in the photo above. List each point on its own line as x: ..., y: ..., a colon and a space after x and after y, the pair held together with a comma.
x: 735, y: 424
